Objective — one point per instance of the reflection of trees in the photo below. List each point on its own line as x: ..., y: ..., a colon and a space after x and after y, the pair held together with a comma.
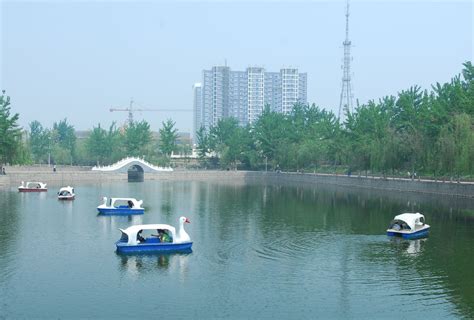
x: 172, y: 194
x: 442, y: 261
x: 231, y: 217
x: 257, y: 213
x: 9, y: 225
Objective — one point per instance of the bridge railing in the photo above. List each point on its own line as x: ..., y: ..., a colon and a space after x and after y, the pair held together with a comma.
x: 120, y: 164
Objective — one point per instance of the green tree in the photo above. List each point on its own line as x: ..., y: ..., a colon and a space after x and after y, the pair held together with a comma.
x: 97, y: 145
x: 168, y: 137
x: 10, y: 133
x: 39, y: 142
x: 63, y: 138
x: 271, y: 134
x: 137, y: 138
x: 226, y: 140
x: 456, y: 145
x: 202, y: 145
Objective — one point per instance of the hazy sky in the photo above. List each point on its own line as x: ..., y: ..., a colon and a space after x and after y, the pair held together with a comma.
x: 75, y: 60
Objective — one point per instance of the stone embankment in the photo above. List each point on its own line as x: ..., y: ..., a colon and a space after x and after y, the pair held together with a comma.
x: 458, y: 189
x: 75, y: 175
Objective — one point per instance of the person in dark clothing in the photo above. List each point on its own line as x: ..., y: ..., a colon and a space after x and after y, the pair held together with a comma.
x: 139, y: 236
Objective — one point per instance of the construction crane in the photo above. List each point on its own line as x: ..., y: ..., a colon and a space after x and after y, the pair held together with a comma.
x: 131, y: 110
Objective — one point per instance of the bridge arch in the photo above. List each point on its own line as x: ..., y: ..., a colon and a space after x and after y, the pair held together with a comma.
x: 135, y: 173
x: 132, y: 164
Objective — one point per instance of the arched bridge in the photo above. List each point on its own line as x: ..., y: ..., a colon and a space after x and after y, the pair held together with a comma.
x: 131, y: 162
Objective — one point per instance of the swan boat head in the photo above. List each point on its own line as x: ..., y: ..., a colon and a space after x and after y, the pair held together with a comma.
x: 182, y: 235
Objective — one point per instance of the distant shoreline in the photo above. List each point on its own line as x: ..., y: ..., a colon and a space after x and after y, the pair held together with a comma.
x: 73, y: 175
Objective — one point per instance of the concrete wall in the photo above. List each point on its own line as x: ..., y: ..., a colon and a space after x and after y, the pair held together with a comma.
x: 405, y: 185
x: 70, y: 177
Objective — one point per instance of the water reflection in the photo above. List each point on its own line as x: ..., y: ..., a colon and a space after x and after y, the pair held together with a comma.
x: 410, y: 247
x: 9, y: 226
x: 66, y: 206
x: 135, y: 264
x: 261, y: 245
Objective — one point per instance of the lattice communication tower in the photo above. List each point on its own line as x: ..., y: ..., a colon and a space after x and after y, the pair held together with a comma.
x: 345, y: 103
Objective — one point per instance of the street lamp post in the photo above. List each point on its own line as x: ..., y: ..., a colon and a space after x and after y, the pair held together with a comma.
x: 49, y: 151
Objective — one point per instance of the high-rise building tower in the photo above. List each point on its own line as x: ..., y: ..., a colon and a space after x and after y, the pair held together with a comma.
x: 215, y: 95
x: 255, y: 93
x: 197, y: 108
x: 290, y: 83
x: 244, y: 94
x: 238, y: 100
x: 345, y: 104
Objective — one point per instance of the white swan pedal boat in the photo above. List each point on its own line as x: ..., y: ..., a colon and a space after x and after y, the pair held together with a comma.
x: 121, y: 206
x: 32, y: 186
x: 132, y: 241
x: 66, y: 193
x: 409, y: 226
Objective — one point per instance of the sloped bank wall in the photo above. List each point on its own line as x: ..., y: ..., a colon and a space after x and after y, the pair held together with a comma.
x: 465, y: 190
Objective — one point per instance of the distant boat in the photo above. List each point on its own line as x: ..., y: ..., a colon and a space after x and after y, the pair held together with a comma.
x: 66, y: 193
x: 32, y: 187
x: 132, y: 241
x: 121, y: 206
x: 409, y: 226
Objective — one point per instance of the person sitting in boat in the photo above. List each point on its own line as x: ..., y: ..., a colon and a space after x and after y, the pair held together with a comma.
x: 130, y: 204
x: 139, y: 236
x: 163, y: 235
x: 166, y: 236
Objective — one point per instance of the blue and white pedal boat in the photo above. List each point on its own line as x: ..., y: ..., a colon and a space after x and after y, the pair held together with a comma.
x: 409, y: 226
x: 121, y: 206
x: 130, y: 243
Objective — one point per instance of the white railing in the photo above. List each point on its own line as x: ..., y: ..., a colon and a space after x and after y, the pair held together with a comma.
x: 126, y: 161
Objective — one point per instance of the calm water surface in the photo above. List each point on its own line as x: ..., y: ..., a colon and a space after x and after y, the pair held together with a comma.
x: 260, y: 251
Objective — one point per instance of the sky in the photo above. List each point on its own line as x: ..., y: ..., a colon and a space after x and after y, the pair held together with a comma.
x: 78, y: 59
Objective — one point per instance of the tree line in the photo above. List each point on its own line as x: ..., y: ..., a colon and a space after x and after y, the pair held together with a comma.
x: 60, y: 144
x: 425, y: 131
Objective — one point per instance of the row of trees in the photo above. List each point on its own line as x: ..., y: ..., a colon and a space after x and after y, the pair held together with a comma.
x: 60, y: 145
x: 107, y: 146
x: 430, y: 132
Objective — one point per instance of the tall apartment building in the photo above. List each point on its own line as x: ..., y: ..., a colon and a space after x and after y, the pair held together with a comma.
x: 198, y: 111
x: 244, y: 94
x: 255, y: 93
x: 238, y: 96
x: 273, y: 90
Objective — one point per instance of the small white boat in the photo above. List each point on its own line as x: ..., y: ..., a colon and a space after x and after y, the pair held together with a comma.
x: 409, y: 226
x: 132, y: 241
x: 66, y: 193
x: 121, y: 206
x: 32, y: 187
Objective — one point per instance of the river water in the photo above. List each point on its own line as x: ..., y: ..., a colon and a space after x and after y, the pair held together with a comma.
x: 260, y: 251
